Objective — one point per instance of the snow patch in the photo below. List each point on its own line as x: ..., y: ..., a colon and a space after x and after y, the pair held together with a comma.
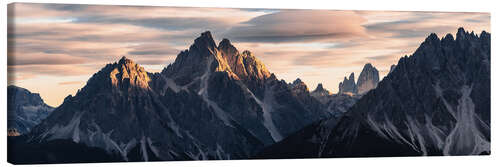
x: 203, y: 92
x: 69, y: 131
x: 153, y: 148
x: 267, y: 109
x: 466, y: 138
x: 144, y: 152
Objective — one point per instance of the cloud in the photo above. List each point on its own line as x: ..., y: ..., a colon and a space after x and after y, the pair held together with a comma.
x: 153, y: 49
x: 167, y: 23
x: 44, y: 59
x: 385, y: 57
x: 70, y: 83
x: 299, y: 25
x: 55, y: 70
x: 13, y: 77
x: 65, y: 7
x: 68, y: 40
x: 414, y: 25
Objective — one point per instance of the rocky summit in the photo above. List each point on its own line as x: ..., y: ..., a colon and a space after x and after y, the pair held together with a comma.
x: 392, y: 68
x: 320, y: 91
x: 299, y: 87
x: 348, y: 86
x: 212, y: 102
x: 368, y: 79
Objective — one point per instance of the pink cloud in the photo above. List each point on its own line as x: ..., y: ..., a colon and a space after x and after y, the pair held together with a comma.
x: 70, y: 83
x: 300, y: 25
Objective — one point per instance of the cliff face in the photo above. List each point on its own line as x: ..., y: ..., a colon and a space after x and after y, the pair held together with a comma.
x: 348, y: 86
x: 368, y: 79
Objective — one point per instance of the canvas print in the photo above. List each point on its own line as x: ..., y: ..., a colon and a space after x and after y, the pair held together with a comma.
x: 104, y: 83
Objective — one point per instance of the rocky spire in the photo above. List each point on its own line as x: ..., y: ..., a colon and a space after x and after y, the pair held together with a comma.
x: 129, y: 73
x: 124, y: 75
x: 202, y: 55
x: 392, y: 68
x: 320, y: 91
x: 205, y: 54
x: 205, y: 41
x: 299, y: 87
x: 368, y: 79
x: 461, y: 34
x: 348, y: 86
x: 254, y: 67
x: 234, y: 59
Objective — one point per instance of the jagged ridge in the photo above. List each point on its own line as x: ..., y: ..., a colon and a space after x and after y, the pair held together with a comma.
x: 211, y: 103
x: 435, y: 102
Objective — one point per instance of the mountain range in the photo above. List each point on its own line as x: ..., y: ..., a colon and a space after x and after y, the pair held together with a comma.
x: 215, y: 102
x: 434, y: 102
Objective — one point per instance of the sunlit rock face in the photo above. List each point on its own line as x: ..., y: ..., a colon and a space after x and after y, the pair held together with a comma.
x: 127, y: 73
x: 434, y: 102
x: 24, y: 110
x: 368, y: 79
x: 348, y: 86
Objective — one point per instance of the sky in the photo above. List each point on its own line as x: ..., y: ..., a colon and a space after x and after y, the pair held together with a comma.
x: 53, y: 49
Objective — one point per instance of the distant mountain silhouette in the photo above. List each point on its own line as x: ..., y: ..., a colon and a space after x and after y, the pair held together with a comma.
x: 24, y: 110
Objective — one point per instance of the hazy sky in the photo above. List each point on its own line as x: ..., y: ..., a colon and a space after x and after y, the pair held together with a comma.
x: 54, y: 49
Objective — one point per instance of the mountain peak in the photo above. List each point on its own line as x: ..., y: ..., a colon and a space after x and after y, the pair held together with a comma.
x: 297, y: 81
x: 232, y: 56
x: 460, y: 32
x: 124, y: 74
x: 254, y: 66
x: 129, y: 73
x: 448, y: 38
x: 24, y: 109
x: 367, y: 66
x: 392, y: 68
x: 348, y: 86
x: 432, y: 38
x: 124, y: 61
x: 225, y: 42
x: 319, y: 87
x: 299, y: 87
x: 368, y: 79
x: 205, y: 40
x: 206, y: 34
x: 320, y: 91
x: 351, y: 77
x: 205, y: 54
